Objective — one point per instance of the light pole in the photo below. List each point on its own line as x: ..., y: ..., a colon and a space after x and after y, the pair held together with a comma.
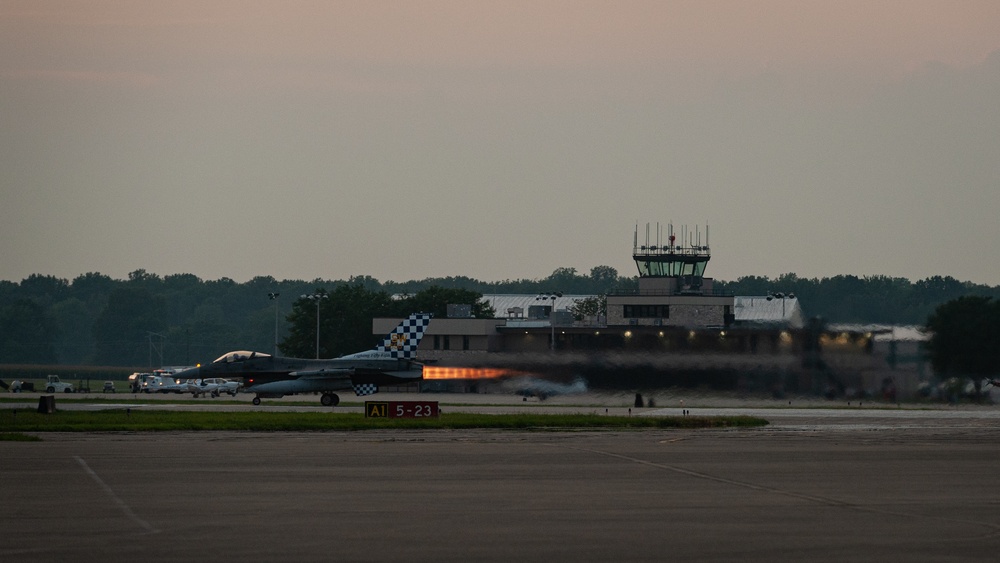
x: 273, y: 296
x: 317, y: 297
x: 552, y: 297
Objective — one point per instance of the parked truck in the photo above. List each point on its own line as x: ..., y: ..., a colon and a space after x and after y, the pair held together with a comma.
x: 53, y: 385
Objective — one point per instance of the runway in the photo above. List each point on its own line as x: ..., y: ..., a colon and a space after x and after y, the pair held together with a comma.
x: 814, y: 485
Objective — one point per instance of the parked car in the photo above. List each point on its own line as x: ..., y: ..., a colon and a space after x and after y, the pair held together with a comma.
x: 229, y: 386
x: 109, y: 386
x: 213, y: 386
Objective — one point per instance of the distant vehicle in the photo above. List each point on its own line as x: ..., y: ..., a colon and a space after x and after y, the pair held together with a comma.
x: 543, y: 389
x: 229, y: 386
x: 213, y: 386
x: 391, y: 362
x: 136, y: 380
x: 18, y: 386
x: 150, y: 384
x: 53, y: 385
x: 171, y: 385
x: 209, y: 386
x: 109, y: 387
x: 170, y: 371
x: 158, y: 384
x: 158, y: 381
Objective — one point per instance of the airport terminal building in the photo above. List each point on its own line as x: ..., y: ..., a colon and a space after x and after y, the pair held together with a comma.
x: 674, y: 329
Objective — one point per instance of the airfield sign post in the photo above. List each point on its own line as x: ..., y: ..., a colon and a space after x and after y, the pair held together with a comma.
x: 401, y: 409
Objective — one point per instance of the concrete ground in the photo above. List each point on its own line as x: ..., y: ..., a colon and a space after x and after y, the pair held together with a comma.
x: 818, y: 484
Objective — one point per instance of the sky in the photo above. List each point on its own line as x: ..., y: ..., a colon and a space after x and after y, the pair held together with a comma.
x: 498, y: 140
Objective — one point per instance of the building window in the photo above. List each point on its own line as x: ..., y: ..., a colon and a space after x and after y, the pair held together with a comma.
x: 437, y: 342
x: 447, y: 342
x: 465, y: 342
x: 646, y: 311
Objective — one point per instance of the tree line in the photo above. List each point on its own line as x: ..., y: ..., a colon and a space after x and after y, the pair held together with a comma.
x: 180, y: 319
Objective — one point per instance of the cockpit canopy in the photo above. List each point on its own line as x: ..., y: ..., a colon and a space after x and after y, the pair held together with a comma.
x: 240, y: 356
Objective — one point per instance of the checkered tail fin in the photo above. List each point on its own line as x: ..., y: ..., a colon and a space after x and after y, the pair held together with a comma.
x: 403, y: 342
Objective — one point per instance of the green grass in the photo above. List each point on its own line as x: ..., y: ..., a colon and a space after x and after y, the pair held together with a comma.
x: 18, y: 437
x: 128, y: 399
x: 144, y: 399
x: 154, y: 420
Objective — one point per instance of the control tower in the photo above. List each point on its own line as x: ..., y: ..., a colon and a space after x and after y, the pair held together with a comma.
x: 673, y: 289
x: 679, y: 265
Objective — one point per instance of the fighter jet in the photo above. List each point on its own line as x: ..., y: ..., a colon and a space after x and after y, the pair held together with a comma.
x: 391, y: 362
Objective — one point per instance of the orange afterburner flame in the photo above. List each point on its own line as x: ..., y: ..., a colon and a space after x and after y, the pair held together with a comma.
x: 440, y: 372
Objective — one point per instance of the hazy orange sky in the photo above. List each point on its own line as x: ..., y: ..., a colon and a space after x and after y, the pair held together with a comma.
x: 497, y: 140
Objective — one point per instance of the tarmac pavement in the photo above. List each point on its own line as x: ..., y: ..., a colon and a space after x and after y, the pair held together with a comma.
x: 818, y: 484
